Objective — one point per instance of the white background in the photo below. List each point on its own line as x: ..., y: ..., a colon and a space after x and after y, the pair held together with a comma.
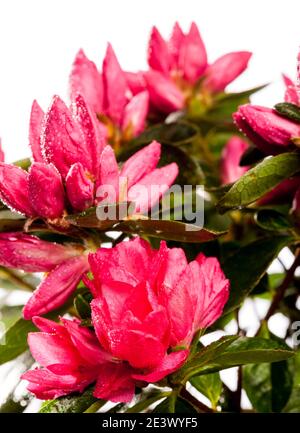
x: 39, y: 39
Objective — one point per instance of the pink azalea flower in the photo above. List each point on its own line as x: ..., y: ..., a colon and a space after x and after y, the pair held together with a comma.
x: 108, y: 94
x: 230, y: 160
x: 176, y: 66
x: 65, y: 266
x: 146, y: 305
x: 71, y: 162
x: 267, y: 129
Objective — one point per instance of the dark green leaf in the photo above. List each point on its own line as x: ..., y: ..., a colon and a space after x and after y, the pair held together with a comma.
x: 14, y: 340
x: 288, y: 110
x: 82, y: 305
x: 268, y: 386
x: 239, y: 351
x: 209, y: 385
x: 269, y: 219
x: 71, y: 403
x: 260, y: 179
x: 247, y: 266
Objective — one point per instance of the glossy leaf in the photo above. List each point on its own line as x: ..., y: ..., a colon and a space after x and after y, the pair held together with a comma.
x: 248, y: 265
x: 239, y: 351
x: 259, y: 180
x: 289, y: 111
x: 209, y: 385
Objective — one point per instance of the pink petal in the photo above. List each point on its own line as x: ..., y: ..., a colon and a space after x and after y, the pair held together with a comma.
x: 226, y: 69
x: 94, y: 138
x: 139, y: 349
x: 164, y: 94
x: 31, y: 254
x: 86, y: 343
x: 14, y: 189
x: 115, y: 383
x: 212, y: 293
x: 158, y: 53
x: 263, y: 145
x: 141, y: 163
x: 62, y: 141
x: 175, y: 42
x: 101, y: 321
x: 291, y: 92
x: 269, y: 125
x: 169, y: 364
x: 35, y: 129
x: 136, y: 82
x: 109, y: 173
x: 86, y: 80
x: 148, y: 191
x: 51, y: 349
x: 46, y: 191
x: 128, y: 262
x: 192, y: 60
x: 56, y: 288
x: 135, y: 113
x: 49, y: 326
x: 80, y: 188
x: 2, y: 156
x: 230, y: 160
x: 115, y: 85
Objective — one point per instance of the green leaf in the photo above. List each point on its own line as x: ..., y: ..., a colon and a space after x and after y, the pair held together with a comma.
x: 14, y: 340
x: 293, y: 404
x: 239, y: 351
x: 10, y: 314
x: 209, y: 385
x: 259, y: 180
x: 272, y: 220
x: 82, y: 304
x: 175, y: 133
x: 71, y: 403
x: 288, y: 110
x: 268, y: 386
x: 248, y: 265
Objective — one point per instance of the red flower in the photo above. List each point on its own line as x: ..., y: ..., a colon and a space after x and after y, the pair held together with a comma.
x: 146, y: 305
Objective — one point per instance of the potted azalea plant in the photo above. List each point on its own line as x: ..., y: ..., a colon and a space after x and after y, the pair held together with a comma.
x: 148, y: 214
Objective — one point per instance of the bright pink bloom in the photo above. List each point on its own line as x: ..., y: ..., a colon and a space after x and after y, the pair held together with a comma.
x: 269, y: 131
x: 139, y: 291
x: 109, y: 95
x: 177, y: 64
x: 147, y: 303
x: 230, y: 160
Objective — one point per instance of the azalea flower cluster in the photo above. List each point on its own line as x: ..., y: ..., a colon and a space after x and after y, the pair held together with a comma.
x: 147, y: 304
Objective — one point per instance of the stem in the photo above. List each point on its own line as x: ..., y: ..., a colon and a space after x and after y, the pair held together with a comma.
x: 141, y: 405
x: 95, y: 406
x: 279, y: 295
x: 200, y: 407
x: 10, y: 275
